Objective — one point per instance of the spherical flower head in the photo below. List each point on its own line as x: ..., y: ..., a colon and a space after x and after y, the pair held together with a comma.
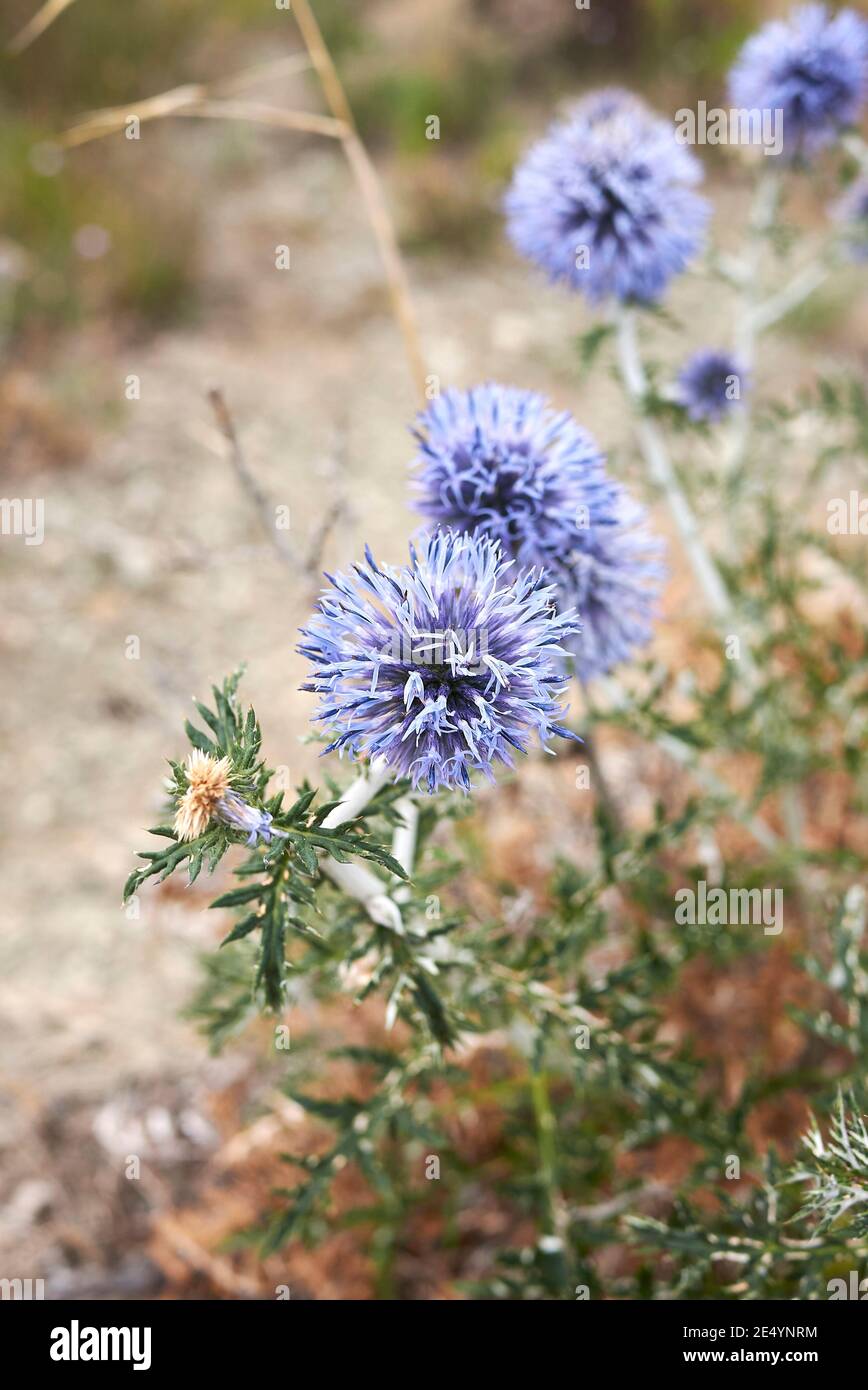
x: 851, y: 211
x: 209, y: 796
x: 606, y: 201
x: 502, y: 461
x: 813, y: 67
x: 614, y: 579
x: 499, y: 462
x: 443, y: 666
x: 711, y: 384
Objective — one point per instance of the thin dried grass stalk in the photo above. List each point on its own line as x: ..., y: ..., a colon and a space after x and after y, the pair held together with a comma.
x: 98, y: 124
x: 197, y: 101
x: 50, y: 11
x: 370, y: 188
x: 310, y: 122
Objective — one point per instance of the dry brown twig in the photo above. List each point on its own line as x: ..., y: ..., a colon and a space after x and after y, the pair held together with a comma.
x: 307, y: 566
x: 191, y: 1253
x: 194, y: 101
x: 198, y: 101
x: 205, y: 102
x: 248, y: 482
x: 45, y: 16
x: 286, y: 66
x: 370, y: 188
x: 320, y: 536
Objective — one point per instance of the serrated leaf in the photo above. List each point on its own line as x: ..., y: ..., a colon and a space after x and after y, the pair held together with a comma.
x: 236, y: 896
x: 198, y: 739
x: 242, y: 928
x: 306, y: 853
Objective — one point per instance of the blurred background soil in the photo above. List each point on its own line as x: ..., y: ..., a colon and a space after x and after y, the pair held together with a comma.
x: 156, y: 259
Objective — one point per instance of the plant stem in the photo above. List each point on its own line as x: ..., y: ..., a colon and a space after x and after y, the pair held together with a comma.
x: 193, y: 100
x: 359, y: 883
x: 44, y: 17
x: 800, y: 288
x: 248, y: 482
x: 602, y: 787
x: 554, y: 1207
x: 404, y: 841
x: 761, y: 219
x: 353, y: 879
x: 370, y: 188
x: 662, y: 472
x: 358, y: 794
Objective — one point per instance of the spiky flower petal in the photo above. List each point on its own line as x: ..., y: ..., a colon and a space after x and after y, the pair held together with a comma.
x: 811, y: 66
x: 502, y: 463
x: 442, y: 666
x: 711, y: 384
x: 605, y: 201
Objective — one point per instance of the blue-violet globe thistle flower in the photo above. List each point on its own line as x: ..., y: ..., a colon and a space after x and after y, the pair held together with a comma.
x: 605, y: 201
x: 614, y: 580
x: 501, y: 462
x: 441, y: 666
x: 813, y: 67
x: 851, y: 211
x: 711, y: 384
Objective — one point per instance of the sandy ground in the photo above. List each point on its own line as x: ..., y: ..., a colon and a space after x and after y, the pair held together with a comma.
x: 149, y: 536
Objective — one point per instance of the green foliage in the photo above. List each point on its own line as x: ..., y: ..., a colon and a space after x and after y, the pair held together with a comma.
x: 838, y: 1170
x: 591, y: 1056
x: 276, y: 897
x: 594, y: 1080
x: 464, y: 94
x: 568, y: 1024
x: 153, y: 240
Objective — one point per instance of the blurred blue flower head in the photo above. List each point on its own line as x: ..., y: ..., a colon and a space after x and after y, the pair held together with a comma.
x: 444, y: 666
x: 711, y: 384
x: 614, y: 580
x: 501, y: 462
x: 813, y: 67
x: 606, y: 201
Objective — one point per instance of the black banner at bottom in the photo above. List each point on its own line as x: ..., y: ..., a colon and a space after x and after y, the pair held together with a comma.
x: 81, y: 1339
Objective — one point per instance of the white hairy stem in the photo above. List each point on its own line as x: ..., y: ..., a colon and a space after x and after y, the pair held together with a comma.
x: 856, y: 146
x: 404, y: 842
x: 662, y: 472
x: 800, y: 288
x: 755, y: 319
x: 761, y: 219
x: 353, y: 879
x: 359, y: 883
x: 358, y: 794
